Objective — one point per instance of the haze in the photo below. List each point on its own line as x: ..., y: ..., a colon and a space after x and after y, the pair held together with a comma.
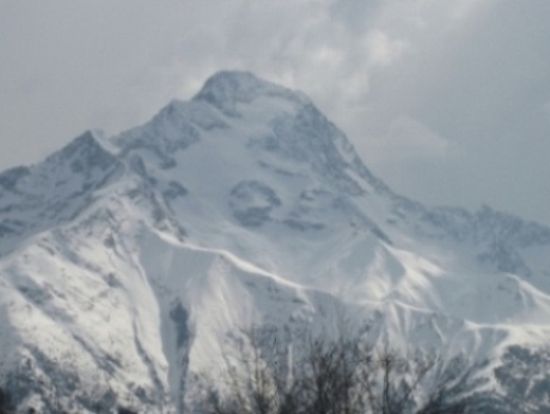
x: 447, y: 101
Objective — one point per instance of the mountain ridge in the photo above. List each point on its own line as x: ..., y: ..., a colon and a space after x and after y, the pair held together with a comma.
x: 133, y: 258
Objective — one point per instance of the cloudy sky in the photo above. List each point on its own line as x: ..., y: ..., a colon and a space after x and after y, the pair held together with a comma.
x: 448, y: 101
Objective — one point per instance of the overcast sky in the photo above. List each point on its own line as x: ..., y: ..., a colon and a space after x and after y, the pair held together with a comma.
x: 448, y: 101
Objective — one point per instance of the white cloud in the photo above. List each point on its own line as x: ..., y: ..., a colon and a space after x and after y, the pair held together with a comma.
x: 382, y: 50
x: 408, y: 138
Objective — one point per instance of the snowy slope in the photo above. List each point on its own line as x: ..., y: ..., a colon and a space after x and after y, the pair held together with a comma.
x: 128, y: 262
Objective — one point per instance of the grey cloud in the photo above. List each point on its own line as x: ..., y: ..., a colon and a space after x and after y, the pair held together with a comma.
x: 446, y: 100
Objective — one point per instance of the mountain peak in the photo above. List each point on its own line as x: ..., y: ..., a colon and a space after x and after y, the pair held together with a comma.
x: 225, y: 89
x: 235, y: 77
x: 231, y: 82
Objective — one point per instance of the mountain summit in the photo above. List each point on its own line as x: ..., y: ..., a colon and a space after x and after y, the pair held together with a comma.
x: 227, y: 88
x: 128, y: 262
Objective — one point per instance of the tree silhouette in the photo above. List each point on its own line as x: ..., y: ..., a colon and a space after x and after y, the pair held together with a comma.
x: 340, y: 376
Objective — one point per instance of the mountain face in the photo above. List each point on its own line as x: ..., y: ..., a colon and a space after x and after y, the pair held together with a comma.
x: 128, y: 262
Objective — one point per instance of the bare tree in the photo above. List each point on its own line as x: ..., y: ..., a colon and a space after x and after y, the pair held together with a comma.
x: 334, y: 376
x: 5, y: 402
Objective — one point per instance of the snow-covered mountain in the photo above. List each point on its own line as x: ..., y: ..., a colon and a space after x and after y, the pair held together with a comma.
x: 127, y: 262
